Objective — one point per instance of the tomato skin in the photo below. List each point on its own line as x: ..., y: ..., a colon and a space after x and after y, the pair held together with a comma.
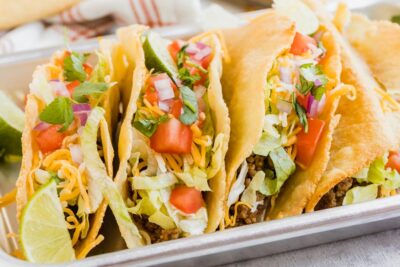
x: 303, y: 100
x: 173, y: 49
x: 307, y: 142
x: 187, y: 199
x: 88, y: 68
x: 300, y: 44
x: 205, y: 62
x: 151, y: 95
x: 49, y: 139
x: 176, y: 108
x: 172, y: 136
x: 394, y: 161
x: 72, y: 85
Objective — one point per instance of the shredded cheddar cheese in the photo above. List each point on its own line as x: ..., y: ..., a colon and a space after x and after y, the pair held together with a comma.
x: 8, y: 198
x: 89, y: 247
x: 386, y: 98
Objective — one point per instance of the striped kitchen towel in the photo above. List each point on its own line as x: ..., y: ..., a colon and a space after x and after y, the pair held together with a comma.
x: 91, y: 18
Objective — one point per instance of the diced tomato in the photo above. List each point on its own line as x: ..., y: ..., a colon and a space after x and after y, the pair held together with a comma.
x: 195, y: 71
x: 394, y: 161
x: 72, y: 85
x: 205, y: 62
x: 187, y: 199
x: 172, y: 136
x: 173, y: 49
x: 50, y: 139
x: 300, y: 44
x: 176, y: 108
x: 88, y: 69
x: 302, y: 100
x: 151, y: 95
x: 307, y: 142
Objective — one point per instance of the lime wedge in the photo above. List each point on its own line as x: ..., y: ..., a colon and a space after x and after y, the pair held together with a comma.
x: 157, y: 55
x: 11, y: 126
x: 306, y: 20
x: 43, y: 230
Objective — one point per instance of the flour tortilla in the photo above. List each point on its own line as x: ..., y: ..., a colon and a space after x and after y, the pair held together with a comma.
x: 364, y: 132
x: 253, y: 49
x: 130, y: 39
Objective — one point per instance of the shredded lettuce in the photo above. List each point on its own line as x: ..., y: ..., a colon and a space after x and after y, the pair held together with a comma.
x: 249, y: 195
x: 101, y: 182
x: 162, y: 220
x: 217, y: 156
x: 194, y: 177
x: 238, y: 186
x: 146, y: 154
x: 101, y: 70
x: 153, y: 182
x: 284, y: 167
x: 266, y: 144
x: 361, y: 194
x: 40, y: 87
x: 378, y: 174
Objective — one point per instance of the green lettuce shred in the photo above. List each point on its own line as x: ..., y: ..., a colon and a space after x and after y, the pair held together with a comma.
x: 361, y: 194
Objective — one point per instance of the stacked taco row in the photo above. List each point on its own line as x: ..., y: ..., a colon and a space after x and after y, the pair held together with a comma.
x: 231, y: 127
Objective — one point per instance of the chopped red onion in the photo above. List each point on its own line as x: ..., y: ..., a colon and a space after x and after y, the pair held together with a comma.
x: 76, y: 153
x: 81, y: 107
x: 284, y: 106
x: 203, y: 53
x: 317, y: 82
x: 41, y: 126
x: 59, y: 88
x: 312, y: 107
x: 164, y: 105
x: 285, y: 75
x: 199, y: 91
x: 164, y: 89
x: 192, y: 49
x: 82, y: 111
x: 201, y: 45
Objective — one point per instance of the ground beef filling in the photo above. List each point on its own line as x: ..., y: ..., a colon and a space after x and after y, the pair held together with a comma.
x: 245, y: 216
x: 156, y: 233
x: 335, y: 196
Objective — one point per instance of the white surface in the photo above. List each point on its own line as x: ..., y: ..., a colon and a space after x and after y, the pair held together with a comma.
x: 382, y: 249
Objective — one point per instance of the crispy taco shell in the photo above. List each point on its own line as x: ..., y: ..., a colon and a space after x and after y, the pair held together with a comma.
x: 378, y: 43
x: 244, y: 81
x: 31, y: 161
x: 365, y: 132
x: 136, y: 77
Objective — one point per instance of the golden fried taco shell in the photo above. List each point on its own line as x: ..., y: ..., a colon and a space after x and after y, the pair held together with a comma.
x: 253, y: 49
x: 137, y: 72
x: 365, y: 131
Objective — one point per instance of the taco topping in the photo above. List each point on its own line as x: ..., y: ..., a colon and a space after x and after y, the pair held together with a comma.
x: 175, y: 150
x: 64, y: 89
x: 293, y: 125
x: 380, y: 179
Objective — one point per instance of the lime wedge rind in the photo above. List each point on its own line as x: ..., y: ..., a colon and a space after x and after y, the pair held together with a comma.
x: 157, y: 55
x: 44, y: 235
x: 11, y: 127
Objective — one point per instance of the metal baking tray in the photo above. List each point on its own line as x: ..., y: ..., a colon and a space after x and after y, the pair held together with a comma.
x: 210, y: 249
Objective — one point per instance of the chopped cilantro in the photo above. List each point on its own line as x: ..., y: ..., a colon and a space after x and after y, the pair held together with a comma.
x: 73, y: 67
x: 190, y: 108
x: 148, y: 126
x: 301, y: 113
x: 89, y: 89
x: 58, y: 112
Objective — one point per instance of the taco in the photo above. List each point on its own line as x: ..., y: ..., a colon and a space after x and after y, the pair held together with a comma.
x: 69, y: 103
x: 364, y: 154
x: 174, y: 134
x: 376, y: 41
x: 282, y: 89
